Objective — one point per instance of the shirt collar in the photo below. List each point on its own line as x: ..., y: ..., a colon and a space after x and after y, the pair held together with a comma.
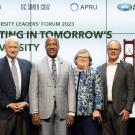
x: 117, y: 62
x: 10, y: 60
x: 50, y: 59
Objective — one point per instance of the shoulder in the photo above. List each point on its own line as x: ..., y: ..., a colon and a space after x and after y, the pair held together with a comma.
x: 24, y: 61
x: 40, y: 62
x: 2, y: 59
x: 62, y: 61
x: 93, y: 70
x: 101, y: 67
x: 126, y: 64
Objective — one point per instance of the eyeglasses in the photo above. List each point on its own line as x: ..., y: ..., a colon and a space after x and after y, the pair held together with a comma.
x: 81, y: 57
x: 113, y: 49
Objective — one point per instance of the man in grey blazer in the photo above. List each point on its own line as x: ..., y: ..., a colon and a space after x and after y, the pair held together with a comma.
x: 52, y: 97
x: 118, y: 82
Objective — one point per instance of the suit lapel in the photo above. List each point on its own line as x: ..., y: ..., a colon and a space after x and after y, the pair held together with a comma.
x: 22, y: 70
x: 104, y: 79
x: 8, y: 74
x: 104, y: 74
x: 47, y: 68
x: 60, y: 62
x: 7, y: 69
x: 117, y: 73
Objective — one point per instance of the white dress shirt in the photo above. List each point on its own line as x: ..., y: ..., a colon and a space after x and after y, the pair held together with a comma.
x: 18, y: 70
x: 111, y: 69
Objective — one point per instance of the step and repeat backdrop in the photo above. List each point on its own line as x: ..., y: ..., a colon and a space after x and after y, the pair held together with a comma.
x: 77, y: 24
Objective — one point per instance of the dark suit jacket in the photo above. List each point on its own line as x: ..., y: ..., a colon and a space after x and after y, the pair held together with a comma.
x: 7, y: 86
x: 123, y: 87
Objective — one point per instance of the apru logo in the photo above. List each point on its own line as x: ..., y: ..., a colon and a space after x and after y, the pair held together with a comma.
x: 74, y: 6
x: 125, y: 7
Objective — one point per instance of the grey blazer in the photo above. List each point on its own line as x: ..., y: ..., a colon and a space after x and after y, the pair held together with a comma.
x: 123, y: 86
x: 42, y: 90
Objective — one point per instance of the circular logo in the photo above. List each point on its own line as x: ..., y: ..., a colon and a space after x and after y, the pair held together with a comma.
x: 74, y: 6
x: 124, y: 7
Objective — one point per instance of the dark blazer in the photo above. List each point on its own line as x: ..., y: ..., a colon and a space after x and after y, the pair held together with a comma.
x: 123, y: 86
x: 7, y: 86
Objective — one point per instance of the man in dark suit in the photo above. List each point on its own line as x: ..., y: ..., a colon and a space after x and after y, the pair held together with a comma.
x: 14, y: 83
x: 118, y: 82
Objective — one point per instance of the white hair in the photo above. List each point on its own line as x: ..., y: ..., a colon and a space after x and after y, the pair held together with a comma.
x: 13, y: 38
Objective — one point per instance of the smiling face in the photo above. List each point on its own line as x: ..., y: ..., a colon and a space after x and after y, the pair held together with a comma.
x: 113, y: 51
x: 82, y: 61
x: 52, y: 47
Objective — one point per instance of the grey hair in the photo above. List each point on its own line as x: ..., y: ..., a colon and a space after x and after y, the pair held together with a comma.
x: 12, y: 38
x: 83, y: 51
x: 112, y: 42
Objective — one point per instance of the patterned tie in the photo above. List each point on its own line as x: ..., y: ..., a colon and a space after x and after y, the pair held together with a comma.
x: 54, y: 71
x: 15, y: 77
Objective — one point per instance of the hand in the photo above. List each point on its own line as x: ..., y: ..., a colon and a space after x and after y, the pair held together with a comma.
x: 125, y: 115
x: 97, y: 115
x: 17, y: 107
x: 14, y: 107
x: 21, y: 105
x: 36, y: 119
x: 70, y: 120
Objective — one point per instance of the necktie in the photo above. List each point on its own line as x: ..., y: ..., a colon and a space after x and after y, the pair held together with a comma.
x: 54, y: 71
x: 15, y: 77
